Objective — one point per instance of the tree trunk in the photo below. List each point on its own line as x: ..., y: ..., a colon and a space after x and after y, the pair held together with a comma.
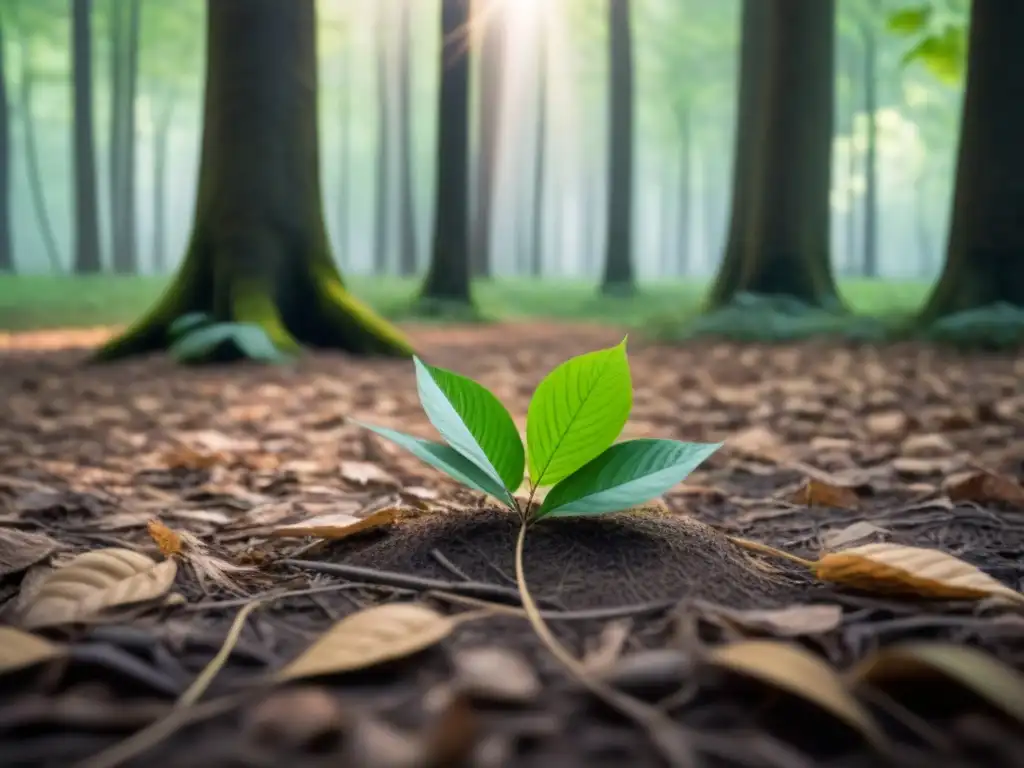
x: 35, y: 174
x: 779, y: 233
x: 6, y: 241
x: 161, y: 137
x: 259, y: 252
x: 985, y: 253
x: 448, y: 278
x: 382, y: 215
x: 115, y: 157
x: 618, y: 266
x: 86, y: 258
x: 406, y: 193
x: 125, y: 73
x: 492, y: 59
x: 685, y: 191
x: 345, y: 150
x: 537, y: 218
x: 870, y: 262
x: 668, y: 226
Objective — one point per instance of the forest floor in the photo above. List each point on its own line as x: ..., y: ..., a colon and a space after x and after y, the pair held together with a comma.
x: 827, y: 447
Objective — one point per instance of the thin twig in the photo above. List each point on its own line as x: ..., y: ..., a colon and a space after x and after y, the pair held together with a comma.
x: 592, y: 614
x: 238, y: 602
x: 755, y: 546
x: 448, y: 565
x: 201, y: 683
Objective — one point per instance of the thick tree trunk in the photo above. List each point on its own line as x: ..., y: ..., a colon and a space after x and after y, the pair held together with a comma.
x: 779, y: 233
x: 618, y: 265
x: 448, y: 278
x: 258, y: 252
x: 382, y: 214
x: 870, y: 262
x: 6, y: 241
x: 35, y: 173
x: 161, y: 138
x: 492, y: 57
x: 985, y: 253
x: 406, y: 194
x: 86, y: 257
x: 540, y: 138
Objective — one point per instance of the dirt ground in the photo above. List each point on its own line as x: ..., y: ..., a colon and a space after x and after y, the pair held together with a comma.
x: 88, y: 456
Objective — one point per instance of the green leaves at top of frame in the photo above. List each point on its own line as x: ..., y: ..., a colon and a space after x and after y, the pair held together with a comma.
x: 943, y: 53
x: 473, y: 422
x: 625, y: 475
x: 909, y: 21
x: 576, y: 412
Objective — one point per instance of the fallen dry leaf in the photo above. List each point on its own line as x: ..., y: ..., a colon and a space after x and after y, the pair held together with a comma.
x: 20, y: 550
x: 994, y: 681
x: 167, y: 540
x: 184, y: 457
x: 365, y: 473
x: 987, y: 488
x: 758, y: 442
x: 20, y: 649
x: 370, y: 637
x: 790, y: 621
x: 496, y: 674
x: 94, y: 582
x: 338, y: 526
x: 894, y: 568
x: 816, y: 493
x: 844, y: 537
x: 796, y: 671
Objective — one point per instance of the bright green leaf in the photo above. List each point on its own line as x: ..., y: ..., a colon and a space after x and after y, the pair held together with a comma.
x: 446, y: 459
x: 909, y: 21
x: 627, y: 474
x: 188, y: 322
x: 577, y: 411
x: 473, y: 421
x: 943, y: 54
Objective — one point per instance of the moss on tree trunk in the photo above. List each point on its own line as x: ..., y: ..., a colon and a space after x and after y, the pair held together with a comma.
x: 259, y: 251
x: 778, y: 240
x: 985, y: 254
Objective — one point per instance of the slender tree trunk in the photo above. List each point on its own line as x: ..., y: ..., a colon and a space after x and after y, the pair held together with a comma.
x: 489, y: 115
x: 259, y: 252
x: 851, y: 198
x: 86, y: 258
x: 345, y: 151
x: 618, y: 267
x: 870, y: 262
x: 161, y: 139
x: 406, y: 193
x: 779, y: 236
x: 685, y: 215
x: 129, y: 263
x: 448, y: 278
x: 985, y: 252
x: 537, y: 217
x: 115, y: 170
x: 669, y: 225
x: 382, y: 215
x: 6, y: 240
x: 125, y: 15
x: 35, y: 174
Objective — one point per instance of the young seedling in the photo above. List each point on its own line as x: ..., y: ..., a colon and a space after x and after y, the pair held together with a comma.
x: 572, y: 422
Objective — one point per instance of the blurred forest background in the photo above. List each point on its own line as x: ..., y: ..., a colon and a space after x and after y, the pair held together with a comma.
x: 539, y: 138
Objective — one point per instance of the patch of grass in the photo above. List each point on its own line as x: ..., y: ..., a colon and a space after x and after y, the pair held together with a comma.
x: 36, y: 302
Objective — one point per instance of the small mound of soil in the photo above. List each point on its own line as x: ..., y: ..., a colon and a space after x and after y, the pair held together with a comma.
x: 615, y: 560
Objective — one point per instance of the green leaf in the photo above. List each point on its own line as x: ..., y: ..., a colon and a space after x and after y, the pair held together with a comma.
x: 188, y: 322
x: 225, y: 341
x: 446, y: 459
x: 909, y: 21
x: 577, y: 411
x: 627, y: 474
x: 473, y: 421
x: 943, y: 54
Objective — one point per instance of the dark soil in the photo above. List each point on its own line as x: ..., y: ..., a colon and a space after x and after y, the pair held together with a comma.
x: 89, y: 455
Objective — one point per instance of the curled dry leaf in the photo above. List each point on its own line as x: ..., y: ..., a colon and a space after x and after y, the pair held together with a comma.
x: 844, y: 537
x: 987, y: 488
x: 797, y: 671
x: 790, y: 621
x: 20, y: 649
x: 898, y: 569
x: 373, y: 636
x: 20, y: 550
x: 166, y: 539
x: 95, y: 581
x: 817, y: 493
x: 998, y: 683
x: 339, y: 525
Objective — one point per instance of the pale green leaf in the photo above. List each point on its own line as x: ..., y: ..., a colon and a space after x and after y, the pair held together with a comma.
x: 576, y: 412
x: 225, y: 341
x: 943, y: 54
x: 627, y: 474
x: 473, y: 421
x: 188, y: 322
x: 446, y: 459
x: 909, y: 21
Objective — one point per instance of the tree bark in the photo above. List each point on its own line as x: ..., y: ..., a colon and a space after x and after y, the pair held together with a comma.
x: 448, y: 278
x: 382, y: 215
x: 985, y: 252
x: 6, y: 241
x: 407, y: 249
x: 618, y: 266
x: 540, y: 139
x: 779, y: 231
x: 489, y: 114
x: 870, y: 260
x: 259, y: 252
x: 86, y: 258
